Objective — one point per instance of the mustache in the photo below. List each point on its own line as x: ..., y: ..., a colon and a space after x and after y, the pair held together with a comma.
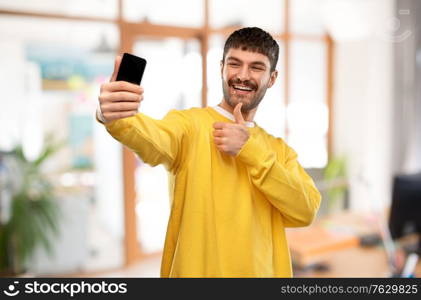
x: 246, y: 83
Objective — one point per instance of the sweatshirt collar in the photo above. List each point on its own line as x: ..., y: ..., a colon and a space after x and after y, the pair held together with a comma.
x: 229, y: 115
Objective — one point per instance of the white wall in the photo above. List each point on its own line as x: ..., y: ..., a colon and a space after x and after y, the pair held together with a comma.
x: 363, y: 104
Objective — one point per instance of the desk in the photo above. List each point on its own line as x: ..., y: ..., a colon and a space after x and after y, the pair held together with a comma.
x: 354, y: 260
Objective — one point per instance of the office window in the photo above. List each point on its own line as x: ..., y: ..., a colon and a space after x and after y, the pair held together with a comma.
x: 91, y: 8
x: 214, y: 58
x: 173, y: 75
x: 78, y: 34
x: 267, y: 14
x: 164, y: 12
x: 307, y: 112
x: 306, y: 17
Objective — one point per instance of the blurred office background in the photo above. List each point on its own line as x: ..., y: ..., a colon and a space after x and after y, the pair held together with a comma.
x: 347, y: 100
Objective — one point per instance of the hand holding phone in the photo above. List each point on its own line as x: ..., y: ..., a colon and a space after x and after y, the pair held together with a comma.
x: 121, y: 97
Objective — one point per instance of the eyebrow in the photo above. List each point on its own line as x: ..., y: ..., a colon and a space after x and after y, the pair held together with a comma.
x: 260, y: 63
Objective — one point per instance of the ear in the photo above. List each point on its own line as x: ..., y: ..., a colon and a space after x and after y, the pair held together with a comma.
x: 272, y: 79
x: 222, y: 67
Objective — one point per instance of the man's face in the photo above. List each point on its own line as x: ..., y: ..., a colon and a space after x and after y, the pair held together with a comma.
x: 245, y: 78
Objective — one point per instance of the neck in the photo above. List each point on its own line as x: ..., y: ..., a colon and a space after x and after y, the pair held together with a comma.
x: 248, y: 116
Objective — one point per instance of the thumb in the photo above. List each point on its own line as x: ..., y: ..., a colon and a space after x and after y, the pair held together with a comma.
x: 237, y: 114
x: 116, y: 67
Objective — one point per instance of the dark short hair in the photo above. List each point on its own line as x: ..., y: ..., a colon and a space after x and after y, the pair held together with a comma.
x: 254, y: 39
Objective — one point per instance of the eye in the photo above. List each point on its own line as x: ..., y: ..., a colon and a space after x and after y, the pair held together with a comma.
x: 233, y: 64
x: 257, y: 68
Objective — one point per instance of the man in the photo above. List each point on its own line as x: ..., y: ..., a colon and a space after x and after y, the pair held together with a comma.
x: 234, y: 187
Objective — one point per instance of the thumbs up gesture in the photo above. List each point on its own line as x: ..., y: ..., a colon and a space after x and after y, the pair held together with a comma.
x: 230, y: 138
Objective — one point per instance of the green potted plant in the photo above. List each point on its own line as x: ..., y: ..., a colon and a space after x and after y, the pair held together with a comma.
x: 34, y: 213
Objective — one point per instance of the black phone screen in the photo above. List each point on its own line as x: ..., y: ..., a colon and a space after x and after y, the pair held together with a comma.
x: 131, y: 69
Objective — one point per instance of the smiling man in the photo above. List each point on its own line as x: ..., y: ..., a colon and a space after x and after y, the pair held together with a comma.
x: 234, y: 187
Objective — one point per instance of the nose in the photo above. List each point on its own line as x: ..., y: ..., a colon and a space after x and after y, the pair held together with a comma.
x: 243, y: 73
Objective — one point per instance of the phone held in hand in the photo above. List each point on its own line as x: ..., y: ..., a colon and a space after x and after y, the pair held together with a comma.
x: 131, y: 68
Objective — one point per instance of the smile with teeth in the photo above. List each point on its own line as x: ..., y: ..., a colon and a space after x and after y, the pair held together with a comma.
x: 242, y: 88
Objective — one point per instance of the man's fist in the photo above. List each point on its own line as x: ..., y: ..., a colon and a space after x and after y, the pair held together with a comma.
x: 119, y: 99
x: 230, y: 138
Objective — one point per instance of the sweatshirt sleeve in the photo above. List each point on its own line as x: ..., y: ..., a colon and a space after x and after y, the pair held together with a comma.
x: 284, y: 183
x: 154, y: 141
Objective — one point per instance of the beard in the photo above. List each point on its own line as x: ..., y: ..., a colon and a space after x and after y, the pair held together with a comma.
x: 249, y: 101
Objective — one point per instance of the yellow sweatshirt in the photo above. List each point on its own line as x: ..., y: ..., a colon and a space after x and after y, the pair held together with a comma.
x: 228, y: 213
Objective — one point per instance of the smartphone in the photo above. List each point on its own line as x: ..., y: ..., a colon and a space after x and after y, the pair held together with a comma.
x: 131, y: 68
